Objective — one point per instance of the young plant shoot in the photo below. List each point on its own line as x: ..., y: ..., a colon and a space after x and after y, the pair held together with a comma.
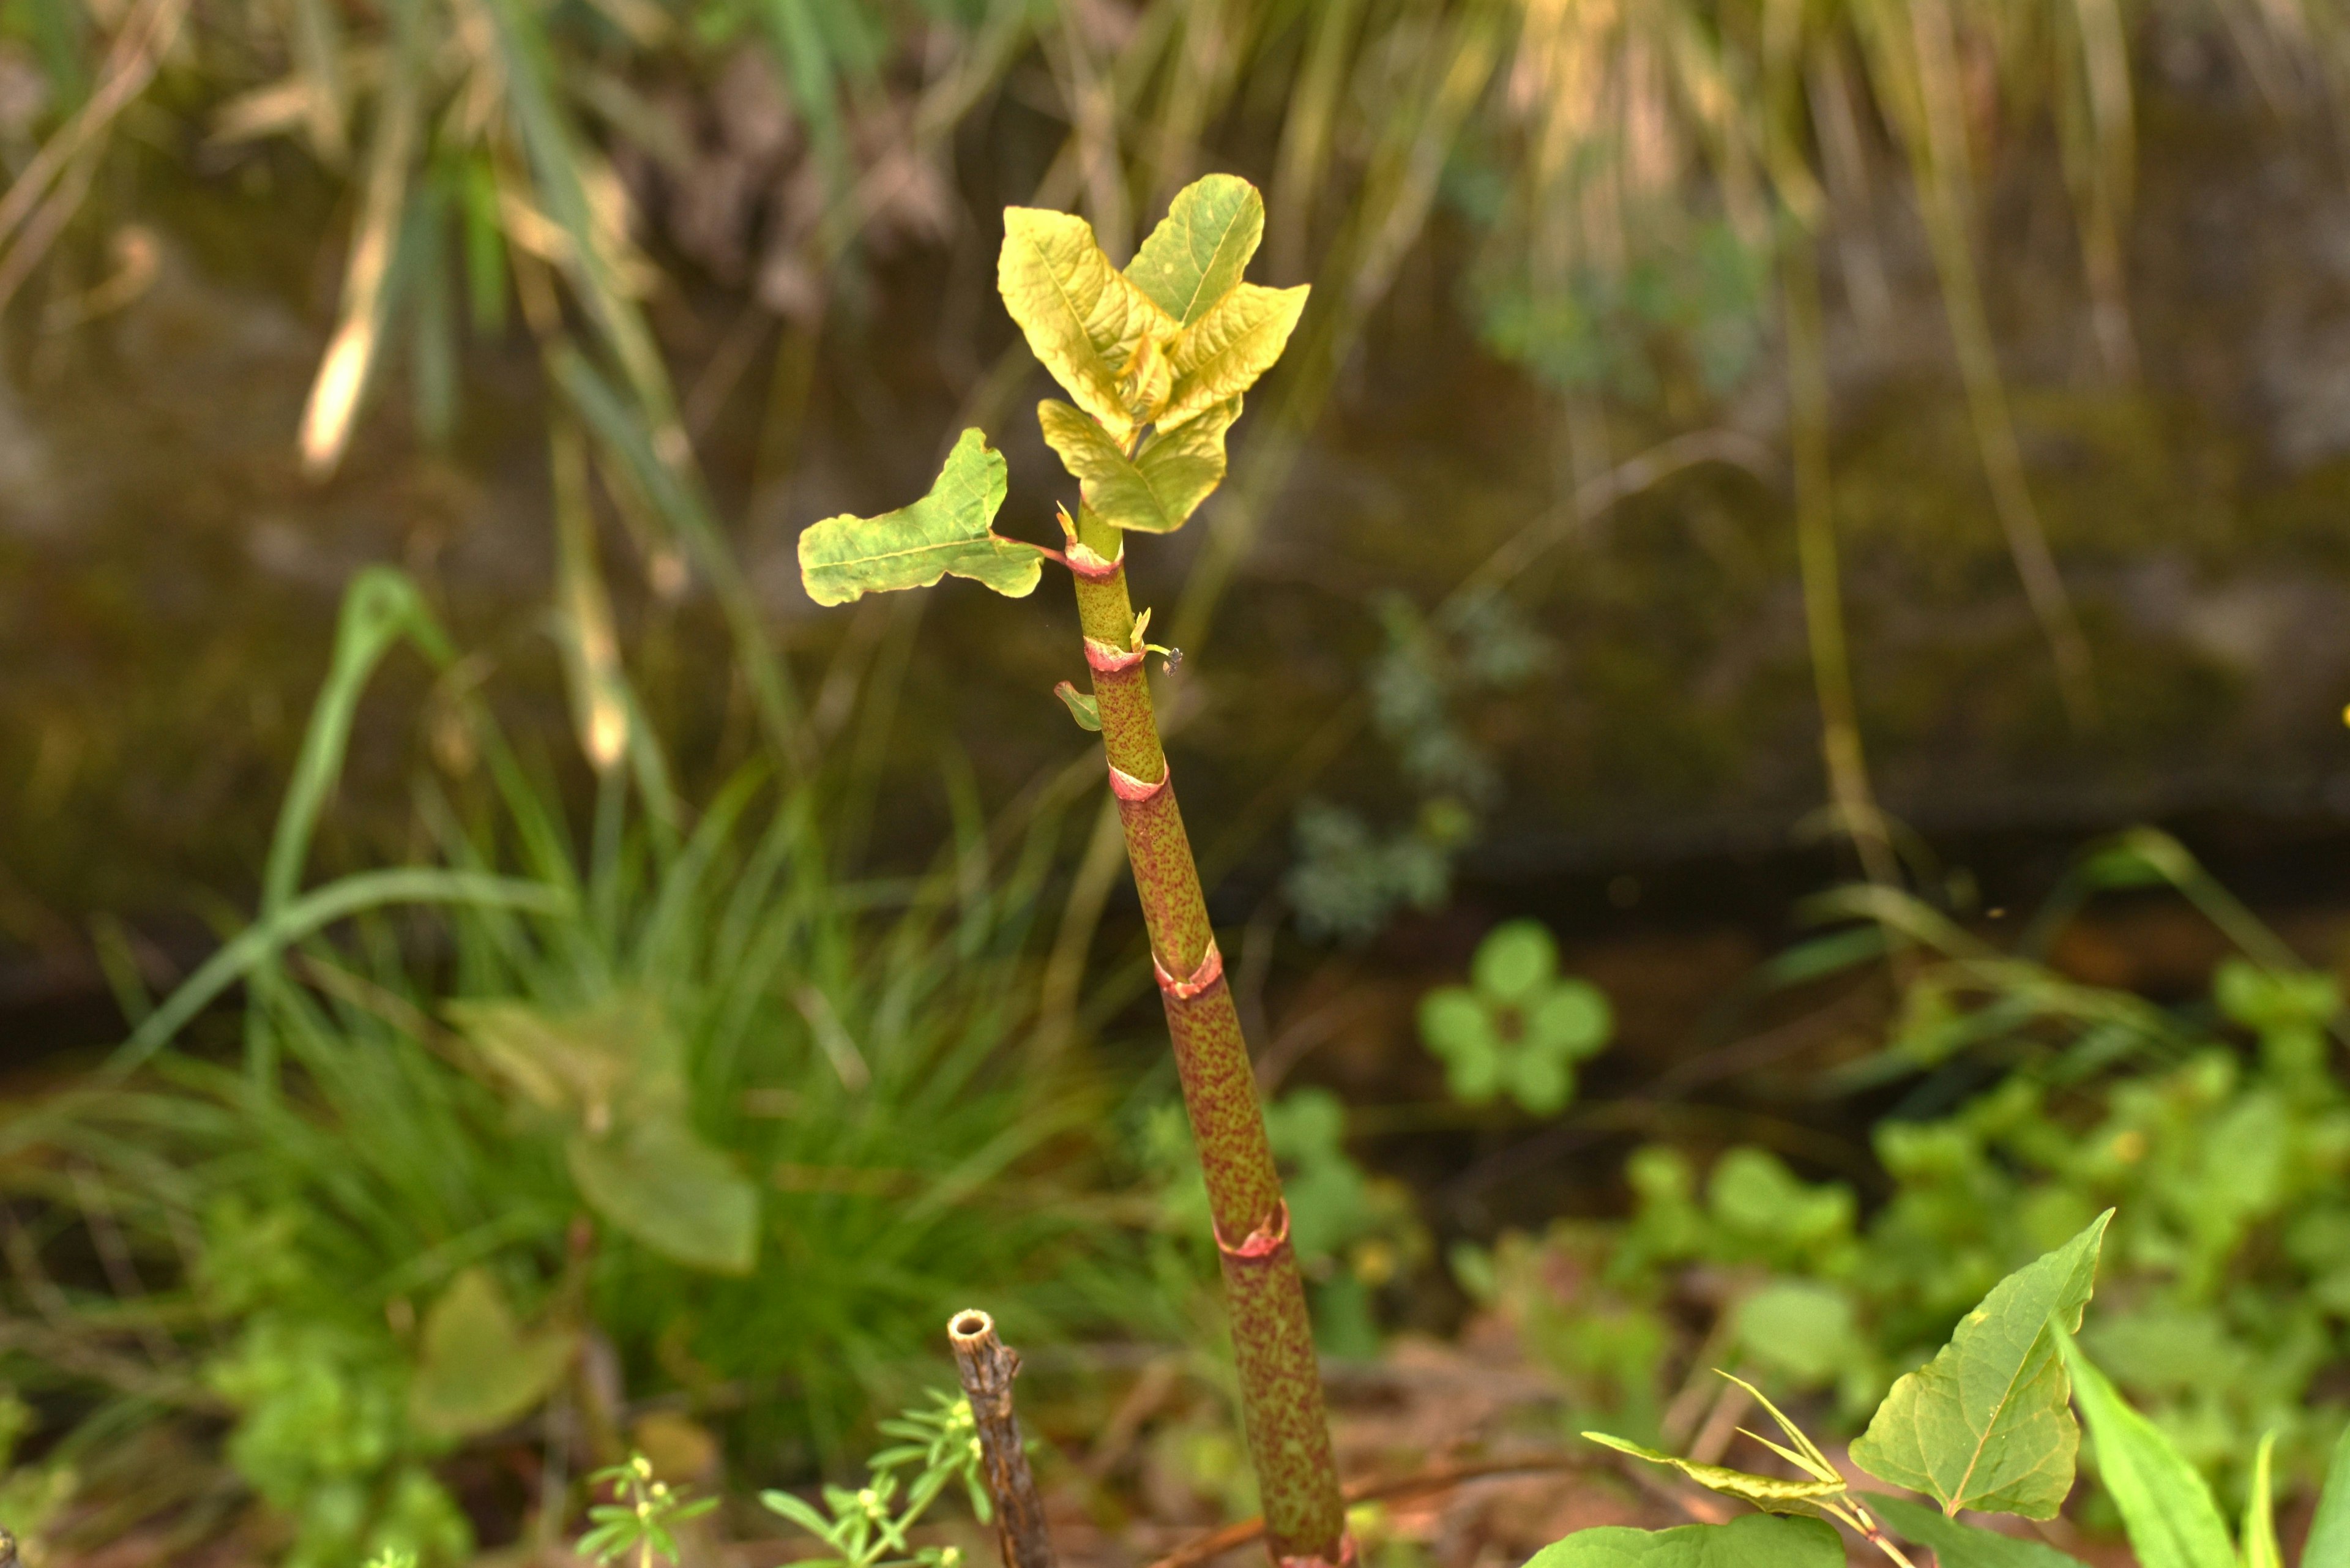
x: 1154, y: 359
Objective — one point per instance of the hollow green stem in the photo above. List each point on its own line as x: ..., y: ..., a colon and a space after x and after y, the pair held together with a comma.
x: 1273, y: 1339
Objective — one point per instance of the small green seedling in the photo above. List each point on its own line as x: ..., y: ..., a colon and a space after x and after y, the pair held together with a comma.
x: 1518, y: 1027
x: 868, y: 1528
x: 642, y: 1519
x: 1155, y: 358
x: 1986, y: 1426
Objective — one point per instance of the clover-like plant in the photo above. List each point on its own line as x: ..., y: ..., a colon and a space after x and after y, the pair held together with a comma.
x: 637, y: 1526
x: 867, y: 1528
x: 1155, y: 359
x: 1518, y: 1027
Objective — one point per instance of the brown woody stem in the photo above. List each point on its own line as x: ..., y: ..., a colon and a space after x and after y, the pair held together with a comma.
x: 987, y: 1367
x: 1273, y: 1339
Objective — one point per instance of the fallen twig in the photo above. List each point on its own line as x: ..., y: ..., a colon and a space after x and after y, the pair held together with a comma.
x: 987, y: 1367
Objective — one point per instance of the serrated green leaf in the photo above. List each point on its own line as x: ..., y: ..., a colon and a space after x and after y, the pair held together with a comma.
x: 1772, y: 1494
x: 2329, y: 1533
x: 1220, y: 356
x: 2165, y: 1508
x: 1196, y: 253
x: 476, y: 1369
x: 950, y: 531
x: 2259, y: 1536
x: 1987, y: 1424
x: 1958, y: 1545
x: 1755, y: 1541
x: 1157, y: 490
x: 655, y: 1179
x: 1085, y: 711
x: 1085, y: 320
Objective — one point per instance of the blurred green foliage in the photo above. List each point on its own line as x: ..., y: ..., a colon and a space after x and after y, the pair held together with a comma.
x: 2227, y: 1289
x: 1518, y: 1027
x: 698, y: 1110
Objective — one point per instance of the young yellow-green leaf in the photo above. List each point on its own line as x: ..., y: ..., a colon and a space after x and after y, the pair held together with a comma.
x: 1959, y: 1545
x: 476, y: 1370
x: 2329, y: 1533
x: 2259, y: 1535
x: 1196, y: 253
x: 1220, y: 356
x: 1082, y: 705
x: 2166, y: 1508
x: 1772, y: 1494
x: 1752, y: 1541
x: 1162, y: 485
x: 1084, y: 320
x: 950, y: 530
x: 1987, y: 1423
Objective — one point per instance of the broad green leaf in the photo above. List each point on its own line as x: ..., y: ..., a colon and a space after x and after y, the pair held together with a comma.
x: 659, y: 1182
x: 2329, y: 1532
x: 2260, y: 1536
x: 1986, y: 1424
x: 1773, y: 1494
x: 1958, y: 1545
x: 950, y: 530
x: 476, y: 1370
x: 1752, y: 1541
x: 2165, y: 1506
x: 1196, y: 253
x: 1085, y: 320
x: 1220, y: 356
x: 1157, y: 490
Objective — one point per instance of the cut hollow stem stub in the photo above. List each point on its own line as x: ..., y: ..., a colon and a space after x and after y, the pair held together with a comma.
x: 1281, y: 1407
x: 986, y: 1367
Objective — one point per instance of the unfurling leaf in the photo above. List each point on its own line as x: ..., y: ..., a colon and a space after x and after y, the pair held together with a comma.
x: 1196, y: 253
x: 1157, y: 490
x: 1081, y: 705
x: 1772, y: 1494
x: 1085, y: 321
x: 1987, y: 1424
x: 476, y: 1370
x: 1959, y: 1545
x: 656, y: 1180
x: 1221, y: 354
x: 2259, y: 1535
x: 950, y: 530
x: 2165, y: 1506
x: 1755, y: 1541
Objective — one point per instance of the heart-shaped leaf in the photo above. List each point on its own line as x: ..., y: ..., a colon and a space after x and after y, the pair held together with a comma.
x: 1196, y: 253
x: 1987, y: 1424
x: 1756, y: 1541
x: 1157, y: 490
x: 476, y: 1369
x: 949, y: 531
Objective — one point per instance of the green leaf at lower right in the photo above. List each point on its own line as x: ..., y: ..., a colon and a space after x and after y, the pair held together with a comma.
x: 1959, y: 1545
x: 1753, y: 1540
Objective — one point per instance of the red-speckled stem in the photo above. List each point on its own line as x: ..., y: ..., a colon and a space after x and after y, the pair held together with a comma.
x: 1273, y: 1339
